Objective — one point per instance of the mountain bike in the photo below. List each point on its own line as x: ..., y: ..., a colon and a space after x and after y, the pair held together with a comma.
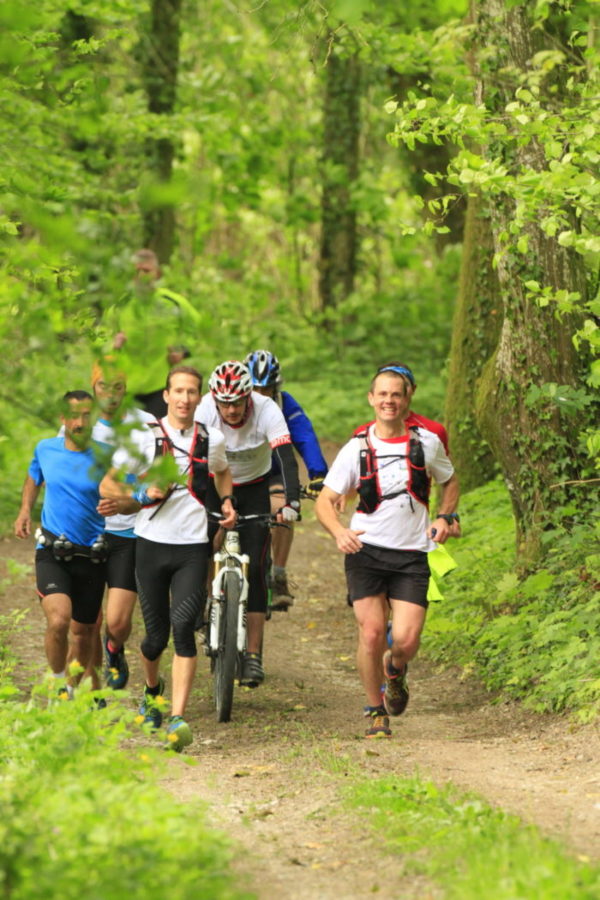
x: 225, y: 629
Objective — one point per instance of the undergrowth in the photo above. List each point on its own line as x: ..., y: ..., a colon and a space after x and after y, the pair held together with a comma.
x: 468, y: 848
x: 84, y: 819
x: 534, y: 638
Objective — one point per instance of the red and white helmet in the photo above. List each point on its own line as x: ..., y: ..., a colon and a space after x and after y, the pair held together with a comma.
x: 230, y: 381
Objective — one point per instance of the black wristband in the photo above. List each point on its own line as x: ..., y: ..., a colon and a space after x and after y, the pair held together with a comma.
x: 449, y: 517
x: 229, y: 497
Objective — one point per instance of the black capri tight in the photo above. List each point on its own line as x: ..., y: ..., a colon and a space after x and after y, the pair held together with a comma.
x: 179, y: 570
x: 255, y: 539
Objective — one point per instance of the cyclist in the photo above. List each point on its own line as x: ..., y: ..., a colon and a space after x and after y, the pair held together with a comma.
x: 70, y: 551
x: 390, y: 534
x: 254, y: 428
x: 172, y: 541
x: 266, y: 379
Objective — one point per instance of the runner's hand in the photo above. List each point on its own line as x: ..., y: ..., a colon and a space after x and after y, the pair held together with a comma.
x: 23, y: 525
x: 439, y: 531
x: 108, y: 507
x: 348, y: 541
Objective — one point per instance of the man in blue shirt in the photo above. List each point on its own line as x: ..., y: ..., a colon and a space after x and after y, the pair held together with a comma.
x: 70, y: 553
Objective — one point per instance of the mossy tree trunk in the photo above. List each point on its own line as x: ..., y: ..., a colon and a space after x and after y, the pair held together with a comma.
x: 534, y: 442
x: 475, y: 330
x: 341, y: 129
x: 160, y: 66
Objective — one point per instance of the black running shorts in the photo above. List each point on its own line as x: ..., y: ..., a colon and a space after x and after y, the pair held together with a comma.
x: 80, y: 579
x: 120, y: 567
x: 399, y: 574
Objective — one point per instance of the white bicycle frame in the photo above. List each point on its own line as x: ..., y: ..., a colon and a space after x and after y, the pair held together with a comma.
x: 229, y: 559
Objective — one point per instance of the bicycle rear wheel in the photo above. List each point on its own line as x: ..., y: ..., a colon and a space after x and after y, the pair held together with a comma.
x: 227, y: 656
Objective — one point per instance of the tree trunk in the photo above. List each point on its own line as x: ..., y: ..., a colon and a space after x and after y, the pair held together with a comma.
x: 160, y: 65
x: 477, y: 320
x: 534, y: 442
x: 337, y: 262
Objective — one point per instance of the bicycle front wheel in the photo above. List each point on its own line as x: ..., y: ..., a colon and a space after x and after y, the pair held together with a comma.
x: 226, y: 660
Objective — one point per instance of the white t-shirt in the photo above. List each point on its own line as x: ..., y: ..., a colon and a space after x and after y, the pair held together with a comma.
x: 248, y: 446
x: 182, y: 519
x: 104, y: 431
x: 401, y: 522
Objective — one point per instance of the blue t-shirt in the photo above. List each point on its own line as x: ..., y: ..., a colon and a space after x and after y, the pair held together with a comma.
x: 71, y: 496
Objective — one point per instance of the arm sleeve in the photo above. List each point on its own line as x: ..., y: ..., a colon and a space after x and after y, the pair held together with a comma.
x: 217, y: 458
x: 284, y: 454
x: 303, y: 436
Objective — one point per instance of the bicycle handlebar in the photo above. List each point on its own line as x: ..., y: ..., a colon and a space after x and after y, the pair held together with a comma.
x: 266, y: 518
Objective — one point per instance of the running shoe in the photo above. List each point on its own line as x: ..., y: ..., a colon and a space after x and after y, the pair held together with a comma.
x: 367, y: 709
x: 179, y: 733
x: 281, y: 599
x: 395, y: 696
x: 380, y: 723
x: 253, y: 673
x: 150, y: 706
x: 117, y: 670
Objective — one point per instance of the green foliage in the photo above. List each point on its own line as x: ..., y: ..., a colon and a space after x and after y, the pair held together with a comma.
x: 468, y: 848
x: 533, y: 638
x: 528, y: 141
x: 246, y: 186
x: 85, y: 819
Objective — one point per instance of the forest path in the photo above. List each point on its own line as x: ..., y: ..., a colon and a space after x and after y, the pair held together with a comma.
x: 274, y: 776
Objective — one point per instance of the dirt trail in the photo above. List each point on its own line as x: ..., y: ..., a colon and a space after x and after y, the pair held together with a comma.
x: 273, y: 776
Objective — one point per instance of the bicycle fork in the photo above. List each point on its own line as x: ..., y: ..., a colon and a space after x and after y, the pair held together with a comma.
x: 229, y: 560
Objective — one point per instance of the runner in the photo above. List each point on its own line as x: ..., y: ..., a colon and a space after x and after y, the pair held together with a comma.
x: 172, y: 542
x: 386, y: 545
x: 254, y: 428
x: 266, y: 379
x: 70, y: 551
x: 413, y: 418
x: 109, y: 384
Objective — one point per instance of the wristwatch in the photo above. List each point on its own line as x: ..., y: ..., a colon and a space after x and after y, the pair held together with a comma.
x: 449, y: 517
x: 295, y: 504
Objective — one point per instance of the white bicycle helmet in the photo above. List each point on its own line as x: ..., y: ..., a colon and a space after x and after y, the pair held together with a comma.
x: 230, y: 381
x: 264, y: 368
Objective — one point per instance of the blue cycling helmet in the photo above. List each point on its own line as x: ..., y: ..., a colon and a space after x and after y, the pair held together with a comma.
x: 264, y: 368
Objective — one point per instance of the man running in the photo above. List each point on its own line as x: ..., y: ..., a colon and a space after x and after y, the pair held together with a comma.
x: 172, y: 541
x: 266, y: 379
x: 115, y: 425
x: 71, y: 552
x: 415, y: 419
x: 391, y: 465
x: 254, y: 428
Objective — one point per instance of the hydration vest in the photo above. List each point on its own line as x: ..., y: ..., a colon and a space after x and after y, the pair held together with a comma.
x: 369, y: 490
x: 198, y: 477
